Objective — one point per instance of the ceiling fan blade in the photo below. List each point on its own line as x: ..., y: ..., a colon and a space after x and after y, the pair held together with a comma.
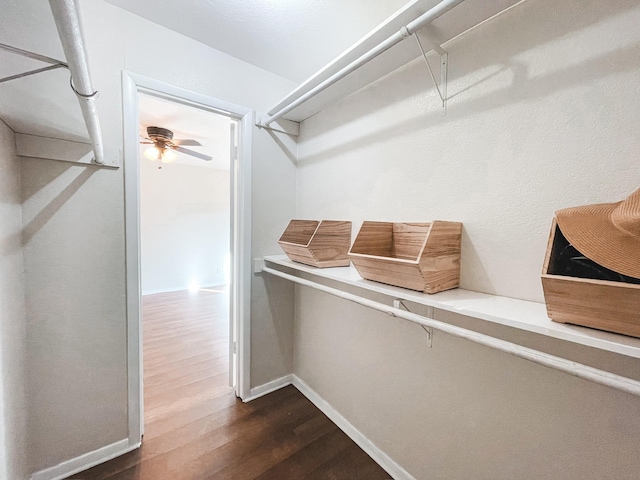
x: 186, y: 143
x: 146, y: 143
x: 192, y: 153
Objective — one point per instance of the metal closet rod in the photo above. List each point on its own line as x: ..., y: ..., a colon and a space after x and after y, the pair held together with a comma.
x: 424, y: 19
x: 576, y: 369
x: 68, y: 24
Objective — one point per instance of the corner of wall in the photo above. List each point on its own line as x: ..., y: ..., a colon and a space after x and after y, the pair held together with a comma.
x: 13, y: 416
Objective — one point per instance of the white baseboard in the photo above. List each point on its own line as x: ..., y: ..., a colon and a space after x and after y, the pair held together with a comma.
x: 83, y: 462
x: 181, y: 288
x: 381, y: 458
x: 272, y: 386
x: 104, y: 454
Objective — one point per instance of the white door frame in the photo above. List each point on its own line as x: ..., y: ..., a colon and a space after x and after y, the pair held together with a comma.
x: 240, y: 292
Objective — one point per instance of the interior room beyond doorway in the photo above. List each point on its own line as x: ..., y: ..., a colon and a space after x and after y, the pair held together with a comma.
x: 185, y: 235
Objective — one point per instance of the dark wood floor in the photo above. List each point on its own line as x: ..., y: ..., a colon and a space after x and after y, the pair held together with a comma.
x: 195, y: 427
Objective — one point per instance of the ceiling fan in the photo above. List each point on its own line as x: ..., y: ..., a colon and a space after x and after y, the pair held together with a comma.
x: 164, y: 145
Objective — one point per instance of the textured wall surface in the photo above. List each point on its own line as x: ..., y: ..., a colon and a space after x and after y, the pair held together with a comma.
x: 13, y: 418
x: 75, y: 245
x: 543, y: 112
x: 272, y: 301
x: 75, y: 310
x: 542, y: 115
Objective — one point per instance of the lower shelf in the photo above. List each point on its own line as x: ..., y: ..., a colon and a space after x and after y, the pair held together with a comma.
x: 520, y: 314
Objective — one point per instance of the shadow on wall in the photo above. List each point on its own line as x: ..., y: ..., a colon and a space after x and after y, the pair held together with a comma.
x: 35, y: 184
x: 290, y: 155
x: 13, y: 418
x: 469, y: 57
x: 281, y: 308
x: 55, y: 117
x: 31, y: 228
x: 475, y: 271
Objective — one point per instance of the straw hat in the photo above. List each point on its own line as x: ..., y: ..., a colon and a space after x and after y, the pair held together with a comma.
x: 607, y: 233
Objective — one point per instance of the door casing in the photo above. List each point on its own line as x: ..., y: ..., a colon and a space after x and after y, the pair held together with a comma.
x: 240, y: 289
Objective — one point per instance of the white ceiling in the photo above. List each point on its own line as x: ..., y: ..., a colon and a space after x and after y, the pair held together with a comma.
x: 210, y: 129
x: 292, y: 38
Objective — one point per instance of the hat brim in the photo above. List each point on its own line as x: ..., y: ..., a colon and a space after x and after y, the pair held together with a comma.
x: 591, y: 231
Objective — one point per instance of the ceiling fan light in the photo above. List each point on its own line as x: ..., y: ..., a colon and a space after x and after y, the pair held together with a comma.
x: 152, y: 153
x: 168, y: 156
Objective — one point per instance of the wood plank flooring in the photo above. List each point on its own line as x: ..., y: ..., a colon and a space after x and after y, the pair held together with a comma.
x: 195, y: 427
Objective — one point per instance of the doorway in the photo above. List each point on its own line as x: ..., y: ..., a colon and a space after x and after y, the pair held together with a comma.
x: 185, y: 198
x: 207, y: 281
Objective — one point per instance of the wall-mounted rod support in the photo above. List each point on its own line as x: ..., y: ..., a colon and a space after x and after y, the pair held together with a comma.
x: 28, y: 54
x: 399, y: 303
x: 579, y: 370
x: 34, y: 56
x: 32, y: 72
x: 424, y: 19
x: 68, y: 24
x: 283, y: 126
x: 444, y: 64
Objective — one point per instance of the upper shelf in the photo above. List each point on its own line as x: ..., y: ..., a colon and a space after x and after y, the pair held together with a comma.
x: 453, y: 23
x: 511, y: 312
x: 38, y: 104
x: 42, y: 108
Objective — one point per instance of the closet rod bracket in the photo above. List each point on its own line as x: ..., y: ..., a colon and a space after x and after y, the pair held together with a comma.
x: 32, y: 72
x: 281, y: 125
x: 441, y: 89
x: 399, y: 303
x: 53, y: 63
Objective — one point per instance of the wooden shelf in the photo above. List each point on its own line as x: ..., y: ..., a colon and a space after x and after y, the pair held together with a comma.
x: 511, y: 312
x: 452, y: 24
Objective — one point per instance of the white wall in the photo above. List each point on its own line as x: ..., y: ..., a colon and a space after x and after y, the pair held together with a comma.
x: 543, y: 114
x: 13, y: 419
x: 272, y: 299
x: 184, y: 226
x: 74, y: 239
x: 75, y: 310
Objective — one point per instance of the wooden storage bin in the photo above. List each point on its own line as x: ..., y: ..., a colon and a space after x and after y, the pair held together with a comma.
x: 418, y: 256
x: 317, y: 243
x: 601, y: 304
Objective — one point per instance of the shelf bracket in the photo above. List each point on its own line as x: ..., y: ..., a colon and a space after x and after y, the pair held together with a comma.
x: 54, y: 64
x: 399, y: 303
x: 32, y: 72
x: 444, y: 63
x: 281, y: 125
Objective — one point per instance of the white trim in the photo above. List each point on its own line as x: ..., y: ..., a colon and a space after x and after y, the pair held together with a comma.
x: 272, y: 386
x: 240, y: 291
x: 381, y: 458
x: 243, y: 262
x: 132, y: 257
x: 181, y: 288
x: 83, y: 462
x: 233, y: 325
